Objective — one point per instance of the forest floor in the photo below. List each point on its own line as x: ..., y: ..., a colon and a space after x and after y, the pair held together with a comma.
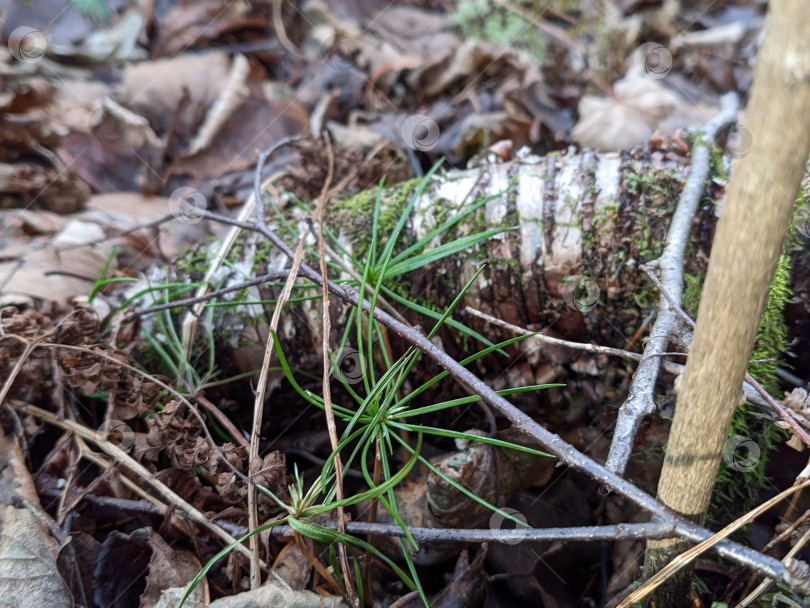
x: 150, y: 420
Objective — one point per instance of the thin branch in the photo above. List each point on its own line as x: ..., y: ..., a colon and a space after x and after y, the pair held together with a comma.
x: 785, y: 415
x: 257, y: 178
x: 153, y: 224
x: 258, y: 411
x: 794, y: 550
x: 508, y: 536
x: 752, y: 388
x: 590, y: 348
x: 687, y: 556
x: 325, y: 383
x: 258, y: 403
x: 749, y: 380
x: 271, y: 276
x: 221, y: 418
x: 149, y: 505
x: 640, y: 400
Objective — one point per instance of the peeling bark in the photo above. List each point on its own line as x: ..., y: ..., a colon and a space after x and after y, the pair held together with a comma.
x: 584, y: 222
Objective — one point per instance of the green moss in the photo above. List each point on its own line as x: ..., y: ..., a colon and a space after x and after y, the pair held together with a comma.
x: 772, y: 336
x: 482, y: 20
x: 354, y: 216
x: 653, y: 183
x: 716, y: 163
x: 192, y: 261
x: 443, y: 210
x: 801, y: 211
x: 693, y: 285
x: 598, y: 219
x: 657, y: 194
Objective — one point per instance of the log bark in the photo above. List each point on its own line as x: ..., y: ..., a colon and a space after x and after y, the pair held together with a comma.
x: 749, y: 240
x: 584, y: 223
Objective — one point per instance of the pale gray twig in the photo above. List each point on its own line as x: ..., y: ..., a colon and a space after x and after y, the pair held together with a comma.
x: 640, y: 402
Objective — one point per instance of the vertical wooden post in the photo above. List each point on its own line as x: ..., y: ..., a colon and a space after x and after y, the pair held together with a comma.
x: 761, y: 194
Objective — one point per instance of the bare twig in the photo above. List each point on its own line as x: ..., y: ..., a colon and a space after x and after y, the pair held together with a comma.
x: 325, y: 384
x: 783, y: 413
x: 751, y: 392
x: 258, y: 411
x: 258, y: 403
x: 590, y: 348
x: 221, y: 418
x: 257, y: 179
x: 794, y: 550
x: 421, y: 535
x: 640, y: 400
x: 687, y: 556
x: 153, y: 224
x: 281, y: 33
x: 189, y: 324
x: 149, y: 504
x: 271, y: 276
x: 129, y: 463
x: 749, y: 380
x: 511, y: 536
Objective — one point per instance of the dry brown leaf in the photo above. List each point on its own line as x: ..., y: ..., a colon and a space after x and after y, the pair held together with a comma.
x: 193, y: 23
x: 49, y: 275
x: 293, y: 566
x: 357, y: 138
x: 28, y: 185
x: 467, y: 587
x: 141, y: 560
x: 168, y: 567
x: 157, y: 89
x: 473, y: 59
x: 258, y: 124
x: 119, y: 211
x: 268, y: 595
x: 77, y: 562
x: 491, y: 473
x: 29, y: 577
x: 117, y: 42
x: 476, y: 132
x: 628, y: 118
x: 798, y: 400
x: 269, y: 471
x: 16, y: 479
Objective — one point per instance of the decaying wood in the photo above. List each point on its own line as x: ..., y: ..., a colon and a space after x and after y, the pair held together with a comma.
x: 585, y: 222
x: 763, y: 187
